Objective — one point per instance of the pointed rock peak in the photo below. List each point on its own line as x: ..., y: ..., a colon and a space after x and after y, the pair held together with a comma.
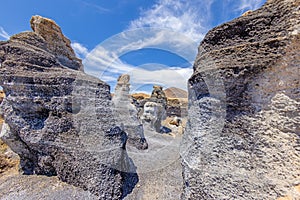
x: 57, y: 43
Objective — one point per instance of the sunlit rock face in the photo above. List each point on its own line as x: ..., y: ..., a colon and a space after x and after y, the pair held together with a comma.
x: 58, y: 119
x: 127, y: 114
x: 153, y: 115
x: 56, y: 42
x: 242, y: 136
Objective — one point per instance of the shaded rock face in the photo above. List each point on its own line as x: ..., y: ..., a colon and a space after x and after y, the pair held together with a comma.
x: 58, y: 119
x: 177, y: 107
x: 127, y: 114
x: 242, y: 137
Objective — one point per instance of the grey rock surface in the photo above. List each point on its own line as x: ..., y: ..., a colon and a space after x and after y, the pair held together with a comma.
x: 242, y: 138
x: 154, y: 109
x: 58, y: 119
x: 127, y: 114
x: 40, y: 187
x: 153, y: 114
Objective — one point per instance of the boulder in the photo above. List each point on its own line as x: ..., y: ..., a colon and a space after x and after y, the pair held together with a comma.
x: 242, y: 137
x: 58, y: 119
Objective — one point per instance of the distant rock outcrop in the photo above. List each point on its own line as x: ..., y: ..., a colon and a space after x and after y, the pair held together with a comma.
x: 158, y: 96
x: 174, y: 92
x: 242, y: 138
x: 58, y: 119
x: 127, y: 114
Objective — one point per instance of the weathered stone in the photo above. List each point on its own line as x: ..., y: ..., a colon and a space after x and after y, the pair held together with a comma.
x: 56, y: 42
x: 242, y: 138
x: 175, y: 121
x: 153, y: 114
x: 127, y: 114
x: 58, y: 119
x: 40, y: 187
x: 158, y: 96
x: 154, y: 109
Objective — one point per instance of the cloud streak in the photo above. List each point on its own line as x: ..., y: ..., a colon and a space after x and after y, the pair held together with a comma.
x: 245, y: 5
x: 4, y: 34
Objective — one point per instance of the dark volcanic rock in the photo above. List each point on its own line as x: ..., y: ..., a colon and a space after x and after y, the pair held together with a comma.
x: 242, y: 138
x: 58, y: 119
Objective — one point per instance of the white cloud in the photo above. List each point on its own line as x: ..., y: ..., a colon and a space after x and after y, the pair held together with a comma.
x: 173, y: 26
x: 185, y: 17
x: 4, y: 34
x: 166, y: 77
x: 104, y: 61
x: 79, y: 49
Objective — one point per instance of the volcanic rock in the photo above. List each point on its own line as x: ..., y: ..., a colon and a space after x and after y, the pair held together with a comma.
x: 158, y: 96
x: 242, y: 137
x: 56, y: 42
x: 153, y: 115
x: 40, y: 187
x: 127, y: 114
x: 58, y: 119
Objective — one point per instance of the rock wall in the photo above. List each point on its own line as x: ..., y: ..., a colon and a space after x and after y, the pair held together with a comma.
x: 242, y: 138
x: 58, y: 119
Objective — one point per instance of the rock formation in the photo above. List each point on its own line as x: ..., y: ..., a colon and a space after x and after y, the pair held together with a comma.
x: 242, y: 139
x: 127, y: 114
x: 154, y: 110
x: 158, y: 96
x: 56, y: 42
x: 153, y: 114
x: 58, y: 119
x: 177, y: 107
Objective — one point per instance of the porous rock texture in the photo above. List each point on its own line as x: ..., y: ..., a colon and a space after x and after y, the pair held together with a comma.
x: 58, y: 119
x: 243, y: 139
x: 127, y: 114
x: 40, y: 187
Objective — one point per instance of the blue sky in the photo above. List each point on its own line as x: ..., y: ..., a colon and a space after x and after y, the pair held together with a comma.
x: 155, y: 41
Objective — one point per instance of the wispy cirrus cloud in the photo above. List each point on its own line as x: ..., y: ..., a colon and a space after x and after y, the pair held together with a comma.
x: 244, y: 5
x: 4, y: 34
x: 98, y: 8
x: 185, y: 17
